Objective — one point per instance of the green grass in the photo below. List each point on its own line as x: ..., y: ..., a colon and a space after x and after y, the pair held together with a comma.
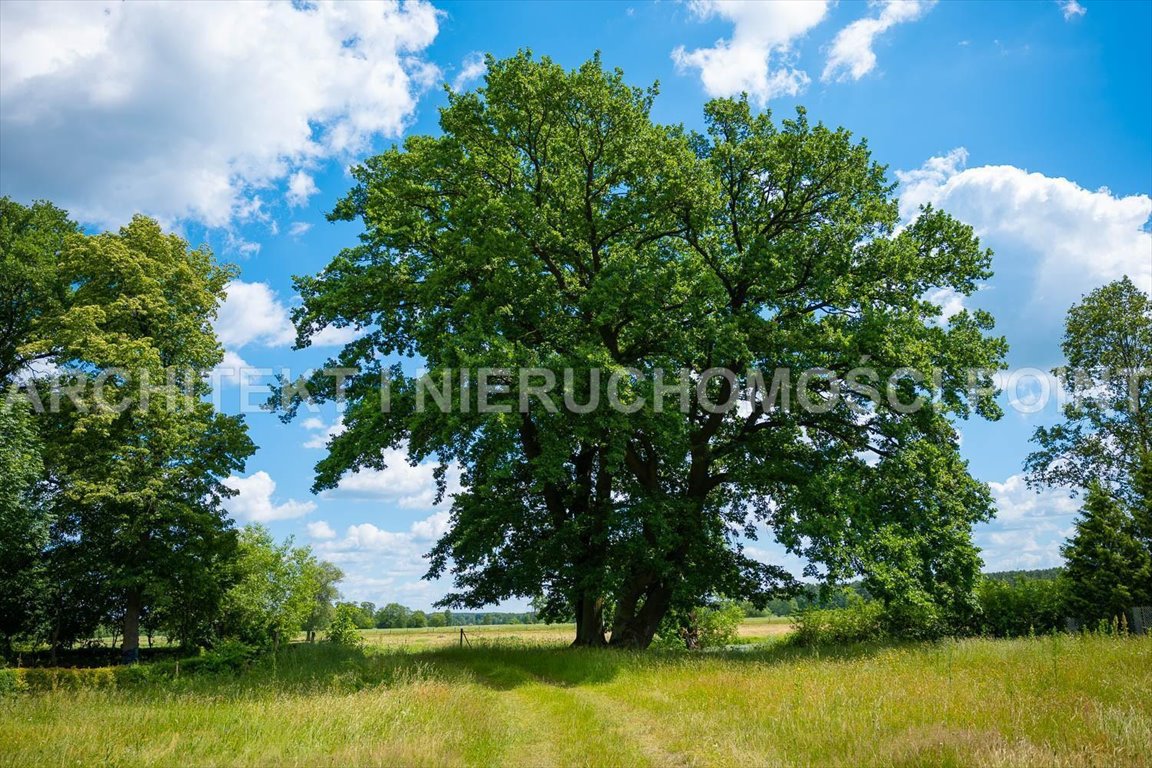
x: 1046, y: 701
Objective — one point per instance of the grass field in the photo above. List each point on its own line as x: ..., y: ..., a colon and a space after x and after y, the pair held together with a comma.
x: 517, y: 698
x: 751, y: 631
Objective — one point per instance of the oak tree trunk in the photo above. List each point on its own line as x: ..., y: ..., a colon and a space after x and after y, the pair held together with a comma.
x: 638, y: 616
x: 590, y: 623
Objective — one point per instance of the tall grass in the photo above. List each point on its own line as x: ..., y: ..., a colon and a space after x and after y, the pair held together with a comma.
x: 1063, y: 700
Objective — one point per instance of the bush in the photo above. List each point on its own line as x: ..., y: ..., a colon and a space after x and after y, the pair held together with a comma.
x: 343, y: 629
x: 858, y: 622
x: 12, y: 681
x: 228, y: 656
x: 704, y: 627
x: 1023, y: 607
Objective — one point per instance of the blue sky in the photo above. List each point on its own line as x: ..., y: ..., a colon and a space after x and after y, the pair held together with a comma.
x: 235, y: 124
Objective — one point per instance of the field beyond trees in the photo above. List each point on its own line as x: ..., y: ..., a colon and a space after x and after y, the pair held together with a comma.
x: 516, y: 696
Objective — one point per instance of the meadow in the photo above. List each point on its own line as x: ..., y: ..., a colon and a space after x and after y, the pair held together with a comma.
x: 516, y: 696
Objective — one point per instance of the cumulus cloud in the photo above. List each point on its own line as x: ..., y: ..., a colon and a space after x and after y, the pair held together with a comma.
x: 298, y: 228
x: 252, y: 313
x: 232, y: 368
x: 1017, y: 504
x: 183, y: 110
x: 254, y: 503
x: 471, y: 69
x: 757, y: 59
x: 1029, y: 527
x: 1071, y: 238
x: 401, y: 484
x: 383, y: 565
x: 1072, y: 9
x: 852, y: 56
x: 321, y: 530
x: 321, y: 432
x: 950, y: 302
x: 301, y: 186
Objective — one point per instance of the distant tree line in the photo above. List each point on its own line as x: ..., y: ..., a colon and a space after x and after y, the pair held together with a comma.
x: 366, y: 615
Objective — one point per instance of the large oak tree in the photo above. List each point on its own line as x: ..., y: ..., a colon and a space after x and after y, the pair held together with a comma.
x: 554, y: 225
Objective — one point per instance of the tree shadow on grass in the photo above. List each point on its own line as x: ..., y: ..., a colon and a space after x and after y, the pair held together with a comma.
x: 305, y: 668
x: 506, y: 667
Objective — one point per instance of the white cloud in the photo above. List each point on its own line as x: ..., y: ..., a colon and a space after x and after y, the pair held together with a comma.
x: 1076, y: 238
x: 406, y: 486
x: 333, y: 336
x: 301, y: 186
x: 1072, y: 9
x: 852, y: 56
x: 238, y: 245
x: 254, y: 501
x: 1017, y: 504
x: 232, y: 368
x: 757, y: 58
x: 321, y: 530
x: 298, y: 228
x: 396, y: 553
x: 950, y: 302
x: 432, y: 527
x: 1029, y: 527
x: 471, y: 69
x: 251, y: 313
x: 322, y: 433
x: 183, y: 110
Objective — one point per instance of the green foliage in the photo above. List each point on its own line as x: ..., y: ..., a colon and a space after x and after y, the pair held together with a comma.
x: 1107, y: 426
x: 276, y: 589
x: 131, y: 450
x: 325, y: 593
x: 710, y: 626
x: 25, y: 521
x: 553, y: 224
x: 392, y: 616
x: 1022, y: 606
x: 1106, y: 564
x: 33, y: 289
x: 228, y: 656
x: 344, y: 629
x: 1032, y: 574
x: 861, y: 621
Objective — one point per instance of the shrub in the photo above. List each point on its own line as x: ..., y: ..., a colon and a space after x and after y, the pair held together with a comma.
x: 702, y: 627
x: 1023, y: 607
x: 227, y: 656
x: 858, y: 622
x: 12, y: 681
x: 343, y: 629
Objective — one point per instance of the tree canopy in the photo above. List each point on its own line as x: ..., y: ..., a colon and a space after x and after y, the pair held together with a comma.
x: 553, y: 225
x: 1107, y: 426
x: 1104, y: 448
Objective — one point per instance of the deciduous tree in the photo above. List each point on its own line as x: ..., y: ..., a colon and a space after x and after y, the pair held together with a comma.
x: 553, y: 225
x: 1107, y: 425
